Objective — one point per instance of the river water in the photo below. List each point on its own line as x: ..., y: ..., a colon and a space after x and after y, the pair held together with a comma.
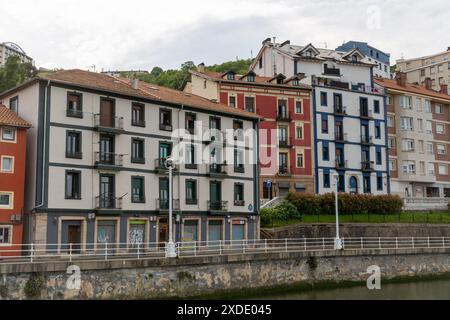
x: 436, y: 289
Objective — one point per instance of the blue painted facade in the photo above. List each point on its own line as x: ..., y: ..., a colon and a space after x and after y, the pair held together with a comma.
x: 367, y: 50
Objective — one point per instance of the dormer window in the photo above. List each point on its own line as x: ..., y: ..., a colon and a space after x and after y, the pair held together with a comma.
x: 230, y: 76
x: 295, y: 82
x: 251, y: 78
x: 354, y: 58
x: 308, y: 54
x: 279, y: 80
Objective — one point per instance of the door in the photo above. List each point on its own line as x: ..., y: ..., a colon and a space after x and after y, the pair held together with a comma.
x: 106, y: 235
x: 107, y: 149
x: 339, y: 130
x: 107, y: 192
x: 163, y: 231
x: 365, y: 133
x: 74, y: 237
x: 136, y: 233
x: 283, y: 163
x: 165, y: 150
x: 215, y: 195
x: 164, y: 194
x: 107, y: 113
x: 353, y: 185
x: 283, y: 134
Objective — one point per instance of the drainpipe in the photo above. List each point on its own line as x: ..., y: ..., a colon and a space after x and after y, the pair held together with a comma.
x: 180, y: 224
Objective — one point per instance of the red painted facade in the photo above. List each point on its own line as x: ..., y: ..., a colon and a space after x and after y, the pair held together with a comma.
x: 13, y: 182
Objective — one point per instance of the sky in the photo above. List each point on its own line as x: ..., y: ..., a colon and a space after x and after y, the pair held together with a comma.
x: 137, y: 34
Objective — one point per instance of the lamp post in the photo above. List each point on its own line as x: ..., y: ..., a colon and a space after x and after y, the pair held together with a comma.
x: 170, y: 247
x: 337, y: 240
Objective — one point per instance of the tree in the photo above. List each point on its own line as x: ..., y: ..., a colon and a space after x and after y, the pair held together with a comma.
x: 14, y: 73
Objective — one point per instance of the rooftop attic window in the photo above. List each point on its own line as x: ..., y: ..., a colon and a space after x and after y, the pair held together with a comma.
x: 354, y: 58
x: 251, y: 78
x: 280, y: 80
x: 308, y: 54
x: 295, y: 82
x: 230, y: 76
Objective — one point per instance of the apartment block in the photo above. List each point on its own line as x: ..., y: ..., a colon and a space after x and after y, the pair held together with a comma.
x: 286, y: 149
x: 419, y: 138
x: 8, y: 49
x: 13, y: 141
x: 97, y: 163
x: 435, y: 67
x: 349, y: 126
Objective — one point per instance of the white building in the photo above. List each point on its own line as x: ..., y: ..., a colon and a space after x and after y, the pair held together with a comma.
x: 350, y: 132
x: 96, y: 163
x: 8, y: 49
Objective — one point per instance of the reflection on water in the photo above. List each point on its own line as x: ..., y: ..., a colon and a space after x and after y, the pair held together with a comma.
x: 437, y: 289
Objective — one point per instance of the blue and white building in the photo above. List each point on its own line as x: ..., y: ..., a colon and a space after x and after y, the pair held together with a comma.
x: 382, y: 59
x: 349, y: 130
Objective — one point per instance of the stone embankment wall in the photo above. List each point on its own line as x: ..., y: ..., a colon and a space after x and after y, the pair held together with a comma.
x: 187, y: 277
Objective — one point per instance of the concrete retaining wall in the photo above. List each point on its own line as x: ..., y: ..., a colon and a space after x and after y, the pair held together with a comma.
x: 185, y: 277
x: 328, y: 230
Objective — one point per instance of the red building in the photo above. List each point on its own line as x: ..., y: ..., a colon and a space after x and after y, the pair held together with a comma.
x: 13, y: 142
x: 286, y: 147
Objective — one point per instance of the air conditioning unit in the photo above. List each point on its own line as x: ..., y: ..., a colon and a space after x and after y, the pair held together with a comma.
x: 16, y: 218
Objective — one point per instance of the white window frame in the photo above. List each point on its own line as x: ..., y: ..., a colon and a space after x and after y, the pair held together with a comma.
x: 445, y: 172
x: 390, y: 121
x: 443, y: 128
x: 303, y: 160
x: 430, y: 150
x: 235, y: 100
x: 2, y: 138
x: 409, y: 122
x: 11, y: 229
x: 10, y: 206
x: 302, y: 131
x: 2, y: 162
x: 441, y: 148
x: 439, y: 108
x: 295, y: 106
x: 406, y: 102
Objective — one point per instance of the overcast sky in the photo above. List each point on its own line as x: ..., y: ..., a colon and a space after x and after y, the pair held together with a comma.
x: 142, y: 34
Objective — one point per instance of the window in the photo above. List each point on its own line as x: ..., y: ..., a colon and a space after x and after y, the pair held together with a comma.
x: 431, y: 169
x: 6, y: 200
x: 390, y: 100
x: 73, y: 145
x: 421, y: 146
x: 418, y: 104
x: 298, y: 107
x: 260, y: 63
x: 379, y: 183
x: 405, y: 102
x: 429, y: 127
x: 239, y: 194
x: 366, y: 184
x: 232, y: 101
x: 430, y: 148
x: 191, y: 191
x: 5, y: 234
x: 7, y: 164
x: 439, y: 108
x: 323, y: 99
x: 238, y: 127
x: 390, y: 121
x: 420, y: 125
x: 326, y: 180
x: 379, y: 160
x: 325, y: 153
x: 8, y: 134
x: 230, y: 76
x: 377, y: 131
x: 299, y: 132
x: 250, y: 104
x: 409, y: 166
x: 14, y: 104
x: 74, y: 105
x: 442, y: 169
x: 440, y: 128
x: 440, y: 148
x: 376, y: 106
x: 299, y: 162
x: 190, y: 122
x: 392, y: 165
x: 137, y: 190
x: 406, y: 123
x: 251, y: 78
x: 138, y: 114
x: 391, y: 143
x: 324, y: 123
x: 165, y: 120
x: 407, y: 145
x: 238, y: 160
x: 190, y: 157
x: 427, y: 106
x: 137, y: 150
x: 422, y: 167
x: 73, y: 185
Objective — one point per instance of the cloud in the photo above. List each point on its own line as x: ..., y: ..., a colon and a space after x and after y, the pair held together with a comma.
x: 143, y: 34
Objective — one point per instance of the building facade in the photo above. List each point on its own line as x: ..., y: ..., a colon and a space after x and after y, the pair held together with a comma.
x: 13, y: 142
x: 382, y: 68
x: 97, y: 170
x: 419, y: 138
x: 286, y: 150
x: 435, y: 67
x: 8, y: 49
x: 350, y: 136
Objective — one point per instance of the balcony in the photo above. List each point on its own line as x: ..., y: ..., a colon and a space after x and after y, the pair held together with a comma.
x: 340, y: 110
x: 160, y: 166
x: 340, y: 137
x: 239, y: 203
x: 365, y: 139
x: 284, y: 116
x: 165, y: 127
x: 163, y: 204
x: 138, y: 123
x: 215, y: 170
x: 331, y: 71
x: 338, y: 84
x: 341, y: 164
x: 74, y: 113
x: 284, y: 171
x: 109, y: 125
x: 108, y: 161
x: 220, y: 206
x: 367, y: 166
x: 74, y: 155
x: 365, y: 114
x: 108, y: 202
x: 285, y: 143
x: 214, y: 136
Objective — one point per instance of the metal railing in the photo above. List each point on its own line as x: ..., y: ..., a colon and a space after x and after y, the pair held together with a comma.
x: 340, y: 110
x: 109, y: 159
x: 285, y: 143
x: 340, y: 137
x: 284, y: 170
x: 108, y: 201
x: 367, y: 165
x: 163, y: 204
x: 436, y: 200
x: 216, y: 169
x: 366, y: 139
x: 112, y: 122
x: 283, y: 116
x: 44, y: 253
x: 341, y: 164
x: 332, y: 71
x: 217, y: 205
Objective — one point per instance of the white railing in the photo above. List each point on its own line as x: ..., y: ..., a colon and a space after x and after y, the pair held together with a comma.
x: 126, y: 251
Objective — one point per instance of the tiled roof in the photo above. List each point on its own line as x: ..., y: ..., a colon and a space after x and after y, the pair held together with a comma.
x: 123, y: 86
x: 216, y: 76
x: 10, y: 118
x: 412, y: 88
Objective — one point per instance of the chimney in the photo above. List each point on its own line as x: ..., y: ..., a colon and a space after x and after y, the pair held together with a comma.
x: 400, y: 77
x: 428, y: 83
x: 444, y: 88
x: 135, y: 82
x: 201, y: 67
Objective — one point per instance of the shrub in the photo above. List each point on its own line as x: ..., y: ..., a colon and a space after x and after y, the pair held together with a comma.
x: 284, y: 211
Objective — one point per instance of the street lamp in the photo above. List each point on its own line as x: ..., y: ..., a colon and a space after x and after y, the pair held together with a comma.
x: 170, y: 247
x: 337, y: 240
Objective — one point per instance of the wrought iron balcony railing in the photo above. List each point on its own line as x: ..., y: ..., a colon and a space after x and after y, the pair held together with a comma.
x: 366, y: 139
x: 163, y: 204
x: 285, y: 143
x: 367, y: 165
x: 284, y: 116
x: 109, y: 124
x: 217, y: 205
x: 108, y: 159
x: 284, y: 171
x: 108, y: 201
